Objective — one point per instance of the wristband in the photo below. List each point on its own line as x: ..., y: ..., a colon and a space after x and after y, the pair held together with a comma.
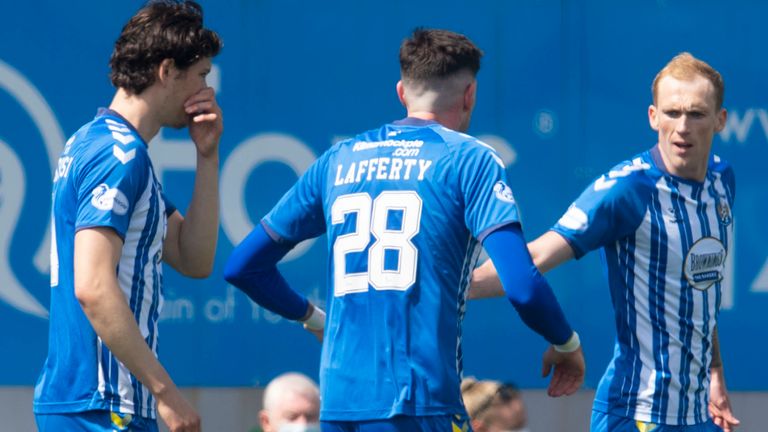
x: 571, y: 345
x: 316, y: 320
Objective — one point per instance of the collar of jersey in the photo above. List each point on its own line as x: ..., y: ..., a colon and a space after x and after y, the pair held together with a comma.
x: 657, y: 160
x: 413, y: 121
x: 106, y: 112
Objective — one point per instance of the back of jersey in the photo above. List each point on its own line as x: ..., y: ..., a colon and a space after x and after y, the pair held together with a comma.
x: 404, y: 207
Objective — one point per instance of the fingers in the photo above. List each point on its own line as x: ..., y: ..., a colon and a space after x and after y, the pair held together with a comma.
x: 546, y: 368
x: 199, y: 107
x: 563, y: 384
x: 206, y: 94
x: 205, y: 117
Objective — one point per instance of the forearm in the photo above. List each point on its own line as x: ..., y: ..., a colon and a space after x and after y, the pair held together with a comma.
x: 111, y: 318
x: 252, y: 269
x: 485, y: 282
x: 199, y: 231
x: 717, y: 361
x: 525, y: 287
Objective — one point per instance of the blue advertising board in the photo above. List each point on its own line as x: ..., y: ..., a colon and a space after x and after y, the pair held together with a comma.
x: 563, y: 95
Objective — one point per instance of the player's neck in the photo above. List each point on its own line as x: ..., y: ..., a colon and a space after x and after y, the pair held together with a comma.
x: 137, y: 109
x: 451, y: 120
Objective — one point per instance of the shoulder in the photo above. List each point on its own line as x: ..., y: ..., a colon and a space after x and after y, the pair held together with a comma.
x: 632, y: 175
x: 722, y: 168
x: 105, y: 145
x: 468, y: 149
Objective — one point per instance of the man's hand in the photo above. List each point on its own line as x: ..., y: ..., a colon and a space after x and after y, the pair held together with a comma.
x: 206, y: 123
x: 176, y: 412
x: 569, y: 371
x: 318, y: 333
x: 719, y: 404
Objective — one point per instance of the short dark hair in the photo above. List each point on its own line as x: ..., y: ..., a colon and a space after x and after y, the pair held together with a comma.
x: 160, y: 30
x: 431, y: 53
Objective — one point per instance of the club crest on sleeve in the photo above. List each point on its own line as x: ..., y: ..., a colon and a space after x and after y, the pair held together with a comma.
x: 105, y: 198
x: 503, y: 192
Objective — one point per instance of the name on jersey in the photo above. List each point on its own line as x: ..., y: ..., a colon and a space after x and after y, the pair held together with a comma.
x: 62, y: 169
x: 382, y: 168
x: 705, y: 262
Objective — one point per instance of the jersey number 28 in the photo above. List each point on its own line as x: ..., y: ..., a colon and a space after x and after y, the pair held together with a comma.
x: 372, y: 217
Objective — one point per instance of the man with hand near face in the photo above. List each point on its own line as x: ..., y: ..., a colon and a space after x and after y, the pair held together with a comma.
x: 113, y: 227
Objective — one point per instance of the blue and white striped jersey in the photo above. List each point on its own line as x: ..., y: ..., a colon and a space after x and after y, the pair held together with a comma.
x: 404, y: 207
x: 664, y: 241
x: 104, y: 179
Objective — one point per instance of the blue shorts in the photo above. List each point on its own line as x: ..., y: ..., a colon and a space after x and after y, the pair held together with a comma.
x: 602, y: 422
x: 440, y: 423
x: 94, y: 421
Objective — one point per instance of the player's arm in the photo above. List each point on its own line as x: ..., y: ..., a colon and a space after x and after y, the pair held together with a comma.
x: 548, y: 251
x: 190, y: 242
x: 532, y: 297
x: 96, y: 256
x: 252, y: 268
x: 719, y: 403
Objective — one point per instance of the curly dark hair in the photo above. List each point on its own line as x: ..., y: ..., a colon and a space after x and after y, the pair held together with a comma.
x: 162, y: 29
x: 430, y: 54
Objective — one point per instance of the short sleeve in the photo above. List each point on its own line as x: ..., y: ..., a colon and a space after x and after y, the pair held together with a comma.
x: 170, y: 207
x: 108, y: 188
x: 489, y: 202
x: 299, y: 214
x: 609, y: 209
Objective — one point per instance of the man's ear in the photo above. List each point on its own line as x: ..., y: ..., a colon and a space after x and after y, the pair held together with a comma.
x: 722, y: 116
x: 165, y: 71
x: 470, y: 96
x: 653, y: 117
x: 401, y: 93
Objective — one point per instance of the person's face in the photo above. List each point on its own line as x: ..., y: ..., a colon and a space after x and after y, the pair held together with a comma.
x: 511, y: 415
x: 182, y: 85
x: 686, y: 118
x: 294, y: 409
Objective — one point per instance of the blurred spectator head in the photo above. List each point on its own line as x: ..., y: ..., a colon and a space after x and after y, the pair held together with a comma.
x: 291, y: 404
x: 493, y: 406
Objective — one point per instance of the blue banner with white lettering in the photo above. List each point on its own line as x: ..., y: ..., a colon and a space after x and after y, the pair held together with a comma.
x: 563, y: 95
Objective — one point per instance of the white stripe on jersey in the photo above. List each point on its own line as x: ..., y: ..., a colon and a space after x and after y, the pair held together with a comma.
x: 102, y: 386
x: 686, y: 309
x: 470, y: 259
x: 130, y: 254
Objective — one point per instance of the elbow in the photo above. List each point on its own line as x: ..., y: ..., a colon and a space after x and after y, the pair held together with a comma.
x: 87, y: 295
x: 198, y: 271
x: 233, y: 273
x: 522, y: 291
x: 521, y: 298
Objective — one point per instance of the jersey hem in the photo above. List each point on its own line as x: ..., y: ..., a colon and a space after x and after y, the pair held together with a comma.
x: 349, y: 415
x: 642, y: 415
x: 88, y: 405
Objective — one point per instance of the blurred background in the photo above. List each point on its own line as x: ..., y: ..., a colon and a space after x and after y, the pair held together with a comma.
x: 563, y: 95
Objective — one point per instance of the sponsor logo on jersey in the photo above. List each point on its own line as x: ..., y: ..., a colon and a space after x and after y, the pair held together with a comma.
x: 370, y: 145
x: 106, y: 198
x: 704, y: 263
x: 503, y: 192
